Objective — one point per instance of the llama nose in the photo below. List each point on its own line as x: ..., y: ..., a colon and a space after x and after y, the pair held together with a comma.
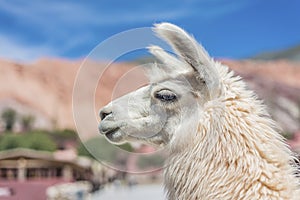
x: 104, y: 113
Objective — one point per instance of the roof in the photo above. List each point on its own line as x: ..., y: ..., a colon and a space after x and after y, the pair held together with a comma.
x: 81, y: 162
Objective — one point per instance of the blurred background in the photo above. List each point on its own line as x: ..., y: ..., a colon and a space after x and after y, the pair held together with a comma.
x: 43, y: 44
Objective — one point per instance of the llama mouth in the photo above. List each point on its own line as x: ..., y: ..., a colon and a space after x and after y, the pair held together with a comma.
x: 112, y: 131
x: 114, y: 136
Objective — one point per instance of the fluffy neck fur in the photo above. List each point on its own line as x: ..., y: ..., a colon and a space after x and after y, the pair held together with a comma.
x: 237, y: 152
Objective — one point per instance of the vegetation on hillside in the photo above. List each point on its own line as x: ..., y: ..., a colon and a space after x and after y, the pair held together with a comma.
x: 34, y: 140
x: 292, y: 54
x: 99, y: 148
x: 28, y: 137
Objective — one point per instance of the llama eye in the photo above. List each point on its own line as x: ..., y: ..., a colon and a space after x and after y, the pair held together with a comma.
x: 166, y: 96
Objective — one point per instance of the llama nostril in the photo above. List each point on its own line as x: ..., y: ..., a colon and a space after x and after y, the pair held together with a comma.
x: 104, y: 114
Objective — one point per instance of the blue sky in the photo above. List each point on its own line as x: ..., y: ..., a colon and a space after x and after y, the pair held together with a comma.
x: 236, y: 29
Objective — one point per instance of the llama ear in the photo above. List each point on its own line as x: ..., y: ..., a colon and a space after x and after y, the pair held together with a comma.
x: 171, y: 63
x: 183, y: 44
x: 191, y: 52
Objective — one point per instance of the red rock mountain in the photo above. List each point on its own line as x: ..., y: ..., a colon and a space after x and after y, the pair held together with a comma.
x: 44, y: 88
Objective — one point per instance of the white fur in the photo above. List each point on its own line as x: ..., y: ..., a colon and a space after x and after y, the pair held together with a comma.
x: 222, y: 142
x: 237, y: 152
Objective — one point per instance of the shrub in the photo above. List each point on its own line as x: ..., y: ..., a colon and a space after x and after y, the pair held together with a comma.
x: 40, y: 141
x: 11, y: 141
x: 33, y: 140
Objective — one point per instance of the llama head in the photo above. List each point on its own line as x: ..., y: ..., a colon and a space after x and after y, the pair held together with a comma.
x: 179, y: 88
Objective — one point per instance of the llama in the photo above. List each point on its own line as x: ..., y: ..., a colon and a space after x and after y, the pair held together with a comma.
x: 221, y: 140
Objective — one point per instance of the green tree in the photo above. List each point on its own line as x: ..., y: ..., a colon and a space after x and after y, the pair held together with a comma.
x: 27, y: 122
x: 9, y: 117
x: 62, y: 137
x: 97, y: 148
x: 11, y: 141
x: 35, y: 140
x: 101, y: 149
x: 40, y: 141
x: 65, y: 134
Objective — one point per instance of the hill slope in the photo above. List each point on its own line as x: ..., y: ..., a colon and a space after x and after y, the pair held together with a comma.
x: 292, y: 54
x: 44, y: 88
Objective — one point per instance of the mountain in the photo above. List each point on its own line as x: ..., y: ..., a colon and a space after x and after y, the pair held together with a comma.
x: 292, y: 54
x: 44, y: 88
x: 41, y: 89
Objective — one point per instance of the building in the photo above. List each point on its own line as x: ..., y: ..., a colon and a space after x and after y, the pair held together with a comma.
x: 26, y: 174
